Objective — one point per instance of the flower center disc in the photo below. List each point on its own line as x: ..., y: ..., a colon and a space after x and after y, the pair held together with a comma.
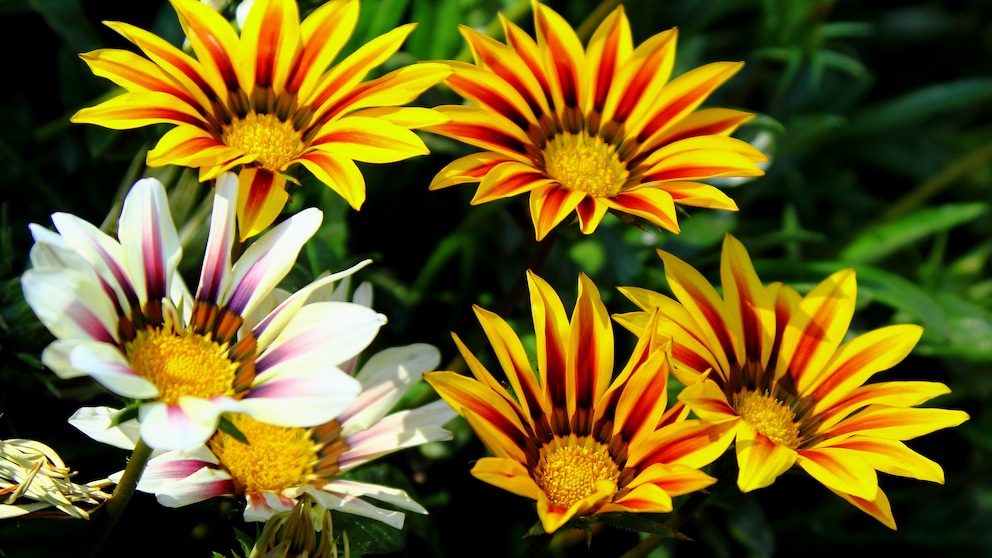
x: 275, y: 457
x: 274, y: 142
x: 769, y: 416
x: 181, y: 365
x: 584, y: 163
x: 571, y: 472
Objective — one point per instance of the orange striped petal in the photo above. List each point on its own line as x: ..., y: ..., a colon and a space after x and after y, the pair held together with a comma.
x: 270, y: 44
x: 190, y: 146
x: 692, y: 443
x: 674, y: 480
x: 487, y: 89
x: 483, y: 129
x: 554, y: 516
x: 398, y: 87
x: 134, y: 73
x: 513, y: 359
x: 470, y: 168
x: 699, y: 164
x: 608, y: 51
x: 679, y: 98
x: 707, y: 400
x: 141, y: 108
x: 526, y: 48
x: 565, y: 60
x: 893, y: 394
x: 341, y: 174
x: 591, y: 212
x: 550, y: 204
x: 190, y: 73
x: 325, y: 32
x: 507, y: 474
x: 878, y: 507
x: 589, y: 360
x: 641, y: 79
x: 817, y: 327
x: 492, y: 418
x: 369, y: 140
x: 704, y: 303
x: 644, y: 398
x: 651, y: 204
x: 508, y: 179
x: 508, y: 64
x: 551, y: 332
x: 343, y: 77
x: 749, y: 310
x: 215, y: 44
x: 647, y: 498
x: 261, y: 197
x: 704, y: 144
x: 859, y: 359
x: 892, y: 457
x: 695, y: 194
x: 704, y: 122
x: 483, y: 375
x: 898, y: 423
x: 841, y: 470
x: 759, y: 459
x: 642, y: 357
x: 404, y: 117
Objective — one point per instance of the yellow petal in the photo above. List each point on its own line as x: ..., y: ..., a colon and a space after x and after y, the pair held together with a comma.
x: 339, y: 173
x: 507, y: 474
x: 370, y: 140
x: 261, y: 198
x: 878, y: 507
x: 841, y: 470
x: 270, y: 43
x: 759, y: 459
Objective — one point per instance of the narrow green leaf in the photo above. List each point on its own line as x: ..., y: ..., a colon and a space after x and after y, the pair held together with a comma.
x: 888, y: 238
x: 920, y: 105
x: 641, y: 523
x: 227, y: 427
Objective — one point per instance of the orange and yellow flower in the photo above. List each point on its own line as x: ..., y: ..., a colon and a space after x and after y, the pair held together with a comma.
x: 778, y: 366
x: 566, y: 436
x: 262, y: 102
x: 592, y: 129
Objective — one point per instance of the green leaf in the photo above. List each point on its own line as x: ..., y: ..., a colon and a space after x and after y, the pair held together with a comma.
x: 126, y: 414
x: 919, y: 105
x: 227, y: 427
x: 888, y: 238
x: 641, y: 523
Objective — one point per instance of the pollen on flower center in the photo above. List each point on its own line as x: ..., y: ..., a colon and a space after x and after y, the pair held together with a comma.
x: 585, y: 163
x: 181, y: 365
x: 274, y: 141
x: 275, y: 457
x: 769, y: 416
x: 570, y: 473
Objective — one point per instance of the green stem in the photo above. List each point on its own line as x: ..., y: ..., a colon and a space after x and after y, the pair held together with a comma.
x: 674, y: 522
x: 124, y: 490
x: 937, y: 183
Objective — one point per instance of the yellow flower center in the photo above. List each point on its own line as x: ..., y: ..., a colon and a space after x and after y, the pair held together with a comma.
x: 769, y: 416
x: 570, y: 473
x: 275, y: 142
x: 585, y: 163
x: 181, y: 364
x: 275, y: 457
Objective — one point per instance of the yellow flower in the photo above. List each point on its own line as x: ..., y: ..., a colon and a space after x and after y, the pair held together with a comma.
x: 591, y: 130
x: 263, y: 102
x: 777, y: 365
x: 567, y: 436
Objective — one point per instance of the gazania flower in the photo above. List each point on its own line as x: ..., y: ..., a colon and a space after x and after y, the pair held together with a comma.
x: 280, y: 464
x: 777, y: 365
x: 265, y: 101
x: 591, y: 130
x: 121, y: 314
x: 567, y: 436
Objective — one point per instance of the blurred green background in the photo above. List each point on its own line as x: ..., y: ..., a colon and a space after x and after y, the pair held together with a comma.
x: 876, y: 116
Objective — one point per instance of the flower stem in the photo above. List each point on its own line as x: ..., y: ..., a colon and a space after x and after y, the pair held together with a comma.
x: 124, y: 490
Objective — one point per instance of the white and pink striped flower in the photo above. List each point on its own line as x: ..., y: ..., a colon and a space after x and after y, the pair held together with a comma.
x: 121, y: 314
x: 280, y: 464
